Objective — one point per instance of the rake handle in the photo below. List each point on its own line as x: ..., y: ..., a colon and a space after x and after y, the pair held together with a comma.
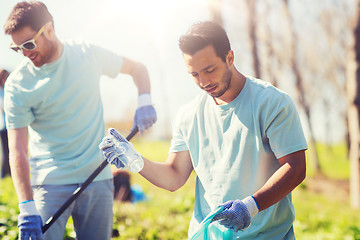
x: 81, y: 188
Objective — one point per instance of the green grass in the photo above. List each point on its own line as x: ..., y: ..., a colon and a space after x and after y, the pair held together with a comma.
x: 166, y: 215
x: 334, y: 161
x: 321, y: 218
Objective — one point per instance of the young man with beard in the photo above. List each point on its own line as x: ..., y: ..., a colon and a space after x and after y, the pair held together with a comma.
x: 53, y: 97
x: 241, y: 136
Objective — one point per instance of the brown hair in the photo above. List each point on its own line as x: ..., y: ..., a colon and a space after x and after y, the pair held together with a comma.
x: 33, y: 14
x: 203, y: 34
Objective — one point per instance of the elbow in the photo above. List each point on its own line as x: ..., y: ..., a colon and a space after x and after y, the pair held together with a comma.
x: 301, y: 173
x: 174, y: 187
x: 139, y: 69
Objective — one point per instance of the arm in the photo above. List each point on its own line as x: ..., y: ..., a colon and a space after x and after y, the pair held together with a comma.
x: 291, y: 173
x: 139, y: 74
x: 237, y: 214
x: 171, y: 174
x: 19, y: 162
x: 145, y: 115
x: 29, y: 220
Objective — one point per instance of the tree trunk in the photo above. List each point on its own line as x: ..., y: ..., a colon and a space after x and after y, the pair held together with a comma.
x: 215, y: 11
x: 253, y: 37
x: 270, y: 52
x: 314, y: 156
x: 353, y: 93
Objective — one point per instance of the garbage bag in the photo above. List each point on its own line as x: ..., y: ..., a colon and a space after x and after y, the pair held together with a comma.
x: 212, y: 230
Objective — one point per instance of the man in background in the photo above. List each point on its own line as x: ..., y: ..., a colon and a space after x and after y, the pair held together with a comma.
x: 5, y: 167
x: 53, y: 109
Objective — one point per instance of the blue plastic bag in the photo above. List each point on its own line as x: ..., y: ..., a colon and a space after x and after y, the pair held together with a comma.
x: 212, y: 231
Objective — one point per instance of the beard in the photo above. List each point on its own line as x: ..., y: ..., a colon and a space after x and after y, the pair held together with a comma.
x: 47, y: 52
x: 225, y: 84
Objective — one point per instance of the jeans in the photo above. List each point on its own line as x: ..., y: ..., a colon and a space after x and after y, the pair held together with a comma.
x: 92, y: 211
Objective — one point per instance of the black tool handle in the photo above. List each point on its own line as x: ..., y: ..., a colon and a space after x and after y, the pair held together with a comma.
x: 81, y: 188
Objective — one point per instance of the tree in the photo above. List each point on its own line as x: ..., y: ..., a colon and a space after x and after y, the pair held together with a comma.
x: 215, y: 11
x: 353, y: 93
x: 252, y: 26
x: 300, y: 85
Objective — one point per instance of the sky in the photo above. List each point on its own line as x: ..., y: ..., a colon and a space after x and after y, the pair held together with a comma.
x: 143, y: 30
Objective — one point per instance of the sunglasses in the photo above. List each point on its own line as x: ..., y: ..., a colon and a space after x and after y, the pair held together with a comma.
x: 28, y: 45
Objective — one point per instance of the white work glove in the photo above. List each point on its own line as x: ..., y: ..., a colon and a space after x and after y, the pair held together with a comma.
x: 29, y: 222
x: 237, y: 214
x: 120, y: 152
x: 145, y: 115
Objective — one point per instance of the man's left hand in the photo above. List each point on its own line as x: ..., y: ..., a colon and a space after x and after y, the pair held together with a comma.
x: 237, y: 214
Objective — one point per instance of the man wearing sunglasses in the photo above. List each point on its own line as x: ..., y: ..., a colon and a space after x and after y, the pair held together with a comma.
x: 54, y: 110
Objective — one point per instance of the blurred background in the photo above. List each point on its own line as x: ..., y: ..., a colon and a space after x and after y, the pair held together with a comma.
x: 306, y: 48
x: 300, y: 46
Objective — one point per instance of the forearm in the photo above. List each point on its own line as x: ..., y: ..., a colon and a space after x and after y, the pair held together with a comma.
x: 20, y: 172
x: 141, y: 78
x: 139, y: 74
x: 282, y: 182
x: 19, y: 162
x: 170, y: 175
x: 161, y: 174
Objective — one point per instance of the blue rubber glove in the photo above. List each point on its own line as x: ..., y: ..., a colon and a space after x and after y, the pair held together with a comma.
x: 145, y: 115
x: 29, y: 222
x: 237, y: 214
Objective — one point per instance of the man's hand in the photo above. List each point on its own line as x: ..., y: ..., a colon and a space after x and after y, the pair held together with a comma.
x: 111, y: 152
x: 145, y: 115
x: 120, y: 152
x: 29, y: 222
x: 237, y: 214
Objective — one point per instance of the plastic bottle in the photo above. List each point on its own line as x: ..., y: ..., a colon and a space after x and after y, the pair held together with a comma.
x: 131, y: 159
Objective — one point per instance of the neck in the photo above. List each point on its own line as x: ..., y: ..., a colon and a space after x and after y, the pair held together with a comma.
x: 58, y: 50
x: 237, y: 83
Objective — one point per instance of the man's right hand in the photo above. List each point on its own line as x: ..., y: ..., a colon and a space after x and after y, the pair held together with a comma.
x: 111, y: 152
x: 120, y: 152
x: 29, y: 222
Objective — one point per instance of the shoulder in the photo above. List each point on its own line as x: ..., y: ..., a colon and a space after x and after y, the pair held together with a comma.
x: 77, y: 45
x: 24, y: 70
x: 263, y: 92
x: 262, y: 87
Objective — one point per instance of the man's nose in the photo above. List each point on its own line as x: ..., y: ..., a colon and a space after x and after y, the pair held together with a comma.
x: 203, y: 81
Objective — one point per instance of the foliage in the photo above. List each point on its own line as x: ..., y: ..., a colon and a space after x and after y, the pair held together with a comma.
x: 166, y: 215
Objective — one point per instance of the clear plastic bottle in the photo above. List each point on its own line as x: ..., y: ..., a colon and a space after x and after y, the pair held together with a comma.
x: 131, y: 159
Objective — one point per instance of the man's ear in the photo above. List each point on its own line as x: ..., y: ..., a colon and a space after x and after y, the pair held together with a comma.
x: 230, y: 58
x: 49, y: 30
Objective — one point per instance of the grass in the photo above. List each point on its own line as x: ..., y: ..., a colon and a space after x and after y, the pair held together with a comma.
x: 334, y: 161
x: 320, y: 215
x: 321, y: 218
